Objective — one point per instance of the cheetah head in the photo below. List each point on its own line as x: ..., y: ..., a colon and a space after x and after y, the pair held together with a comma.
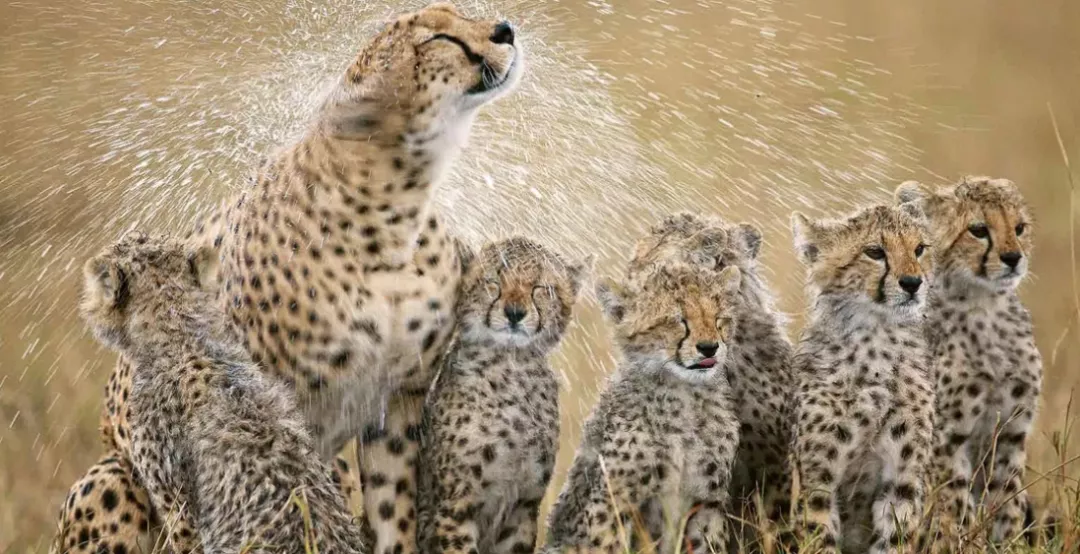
x: 875, y: 258
x: 132, y: 285
x: 517, y: 292
x: 699, y: 241
x: 680, y: 320
x: 434, y: 65
x: 982, y: 228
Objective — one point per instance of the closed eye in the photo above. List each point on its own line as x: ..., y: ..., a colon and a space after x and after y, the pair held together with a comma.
x: 874, y: 252
x: 473, y: 57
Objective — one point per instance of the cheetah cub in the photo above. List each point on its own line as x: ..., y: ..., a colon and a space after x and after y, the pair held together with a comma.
x: 218, y: 446
x: 864, y: 400
x: 759, y: 357
x: 988, y: 369
x: 661, y: 441
x: 491, y: 424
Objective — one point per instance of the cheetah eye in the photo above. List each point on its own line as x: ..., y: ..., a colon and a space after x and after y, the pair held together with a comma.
x: 919, y: 250
x: 1020, y: 228
x: 874, y: 252
x: 979, y: 230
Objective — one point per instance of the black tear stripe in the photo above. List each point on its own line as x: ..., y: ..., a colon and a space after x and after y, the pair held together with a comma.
x: 885, y: 275
x: 487, y: 314
x: 986, y: 254
x: 686, y: 335
x: 474, y: 58
x: 539, y: 313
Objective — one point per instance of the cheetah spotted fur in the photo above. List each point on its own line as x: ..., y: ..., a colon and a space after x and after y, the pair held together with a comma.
x: 864, y: 403
x: 988, y: 369
x: 661, y: 441
x: 758, y: 364
x: 491, y: 427
x: 216, y: 444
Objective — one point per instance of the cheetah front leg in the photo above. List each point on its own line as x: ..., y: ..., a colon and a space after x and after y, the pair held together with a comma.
x: 1004, y: 495
x: 518, y: 533
x: 953, y: 471
x: 904, y: 446
x: 388, y: 457
x: 822, y: 456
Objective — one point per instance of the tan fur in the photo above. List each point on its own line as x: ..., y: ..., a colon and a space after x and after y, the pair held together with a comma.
x: 759, y: 363
x: 864, y: 405
x: 988, y: 369
x: 491, y: 428
x: 200, y: 413
x: 664, y: 433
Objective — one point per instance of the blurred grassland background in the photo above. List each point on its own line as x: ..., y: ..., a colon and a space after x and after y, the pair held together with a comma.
x: 123, y: 113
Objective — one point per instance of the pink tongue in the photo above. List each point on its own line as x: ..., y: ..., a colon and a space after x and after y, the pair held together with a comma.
x: 707, y: 362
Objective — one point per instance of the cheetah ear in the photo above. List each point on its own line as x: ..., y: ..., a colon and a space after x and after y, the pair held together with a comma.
x: 807, y: 238
x: 580, y: 272
x: 612, y: 298
x: 466, y: 255
x: 204, y: 263
x: 909, y: 191
x: 106, y: 283
x: 730, y: 279
x: 751, y: 239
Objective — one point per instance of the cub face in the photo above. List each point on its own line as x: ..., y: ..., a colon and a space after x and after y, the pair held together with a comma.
x: 132, y: 285
x: 440, y: 61
x: 877, y: 257
x: 519, y: 293
x: 680, y: 320
x: 982, y: 228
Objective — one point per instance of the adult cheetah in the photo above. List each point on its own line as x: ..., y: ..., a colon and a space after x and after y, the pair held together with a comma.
x: 988, y: 369
x: 758, y: 363
x: 660, y: 443
x: 491, y: 424
x: 337, y: 274
x: 216, y: 443
x: 864, y: 403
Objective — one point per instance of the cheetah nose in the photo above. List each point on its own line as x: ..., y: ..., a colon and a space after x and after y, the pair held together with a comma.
x: 708, y: 349
x: 514, y: 314
x: 504, y: 34
x: 1011, y: 259
x: 910, y: 283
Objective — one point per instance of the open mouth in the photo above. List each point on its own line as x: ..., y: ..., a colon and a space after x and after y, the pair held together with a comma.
x: 489, y: 80
x: 706, y: 363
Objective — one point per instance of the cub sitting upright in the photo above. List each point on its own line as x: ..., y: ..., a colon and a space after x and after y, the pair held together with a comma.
x: 217, y: 445
x: 988, y: 368
x: 864, y: 402
x: 491, y: 426
x: 661, y: 441
x: 758, y: 364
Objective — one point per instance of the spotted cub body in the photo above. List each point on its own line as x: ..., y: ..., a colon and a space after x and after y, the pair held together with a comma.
x: 216, y: 445
x: 491, y: 426
x: 660, y: 443
x: 758, y: 364
x: 864, y: 403
x: 988, y: 369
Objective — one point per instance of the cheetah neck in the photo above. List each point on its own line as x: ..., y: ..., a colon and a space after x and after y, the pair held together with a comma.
x: 181, y: 334
x: 387, y: 175
x: 955, y: 289
x: 844, y: 314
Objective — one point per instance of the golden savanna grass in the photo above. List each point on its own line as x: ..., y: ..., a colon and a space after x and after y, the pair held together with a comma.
x: 985, y: 71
